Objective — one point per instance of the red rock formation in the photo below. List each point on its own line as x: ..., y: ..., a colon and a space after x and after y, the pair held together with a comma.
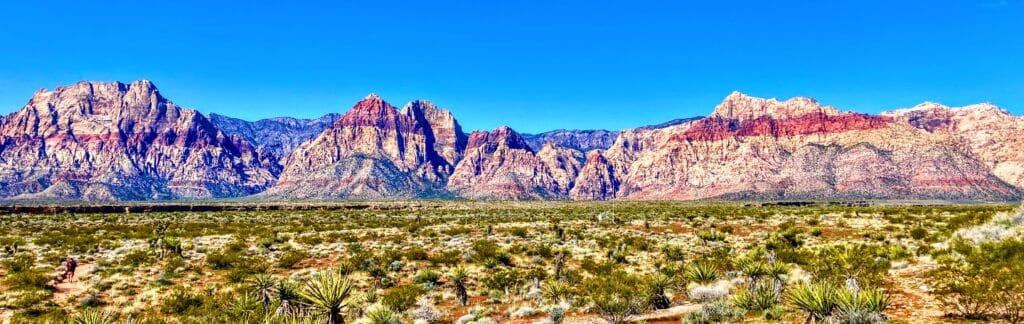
x: 500, y: 165
x: 114, y: 141
x: 375, y: 151
x: 991, y: 134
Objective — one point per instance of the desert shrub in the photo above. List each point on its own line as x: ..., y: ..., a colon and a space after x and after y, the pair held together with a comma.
x: 292, y: 257
x: 868, y: 264
x: 415, y: 253
x: 505, y: 280
x: 136, y: 258
x: 427, y: 277
x: 402, y: 297
x: 614, y: 296
x: 181, y: 301
x: 446, y: 257
x: 711, y: 313
x: 19, y: 262
x: 985, y: 281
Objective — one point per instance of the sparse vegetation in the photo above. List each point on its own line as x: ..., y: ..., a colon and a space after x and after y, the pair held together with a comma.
x: 497, y: 261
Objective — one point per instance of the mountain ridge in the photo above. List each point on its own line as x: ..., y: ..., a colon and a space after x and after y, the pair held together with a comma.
x: 95, y: 141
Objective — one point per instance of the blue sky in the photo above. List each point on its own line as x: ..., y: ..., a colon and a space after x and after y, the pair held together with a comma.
x: 535, y: 65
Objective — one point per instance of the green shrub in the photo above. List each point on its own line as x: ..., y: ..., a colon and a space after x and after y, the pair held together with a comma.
x: 291, y: 257
x: 402, y: 298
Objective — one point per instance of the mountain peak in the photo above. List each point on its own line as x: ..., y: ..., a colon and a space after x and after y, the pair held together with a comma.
x: 741, y: 106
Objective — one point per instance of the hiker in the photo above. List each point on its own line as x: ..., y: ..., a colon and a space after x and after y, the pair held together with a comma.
x: 69, y: 267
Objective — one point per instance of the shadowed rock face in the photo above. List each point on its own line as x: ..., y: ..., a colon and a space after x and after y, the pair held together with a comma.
x: 276, y: 137
x: 580, y: 140
x: 114, y: 141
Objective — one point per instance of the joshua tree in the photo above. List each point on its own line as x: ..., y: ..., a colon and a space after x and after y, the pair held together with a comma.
x: 777, y: 271
x: 560, y: 258
x: 331, y: 294
x: 460, y: 277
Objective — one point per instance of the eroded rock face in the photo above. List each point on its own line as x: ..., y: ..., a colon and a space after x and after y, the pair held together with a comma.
x: 99, y: 141
x: 796, y: 149
x: 276, y: 137
x: 375, y: 151
x: 992, y: 135
x: 501, y: 165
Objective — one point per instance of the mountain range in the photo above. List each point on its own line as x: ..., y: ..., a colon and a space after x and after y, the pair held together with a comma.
x: 110, y: 141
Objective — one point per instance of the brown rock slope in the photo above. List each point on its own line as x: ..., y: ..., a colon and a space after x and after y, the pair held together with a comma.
x: 763, y: 148
x: 113, y: 141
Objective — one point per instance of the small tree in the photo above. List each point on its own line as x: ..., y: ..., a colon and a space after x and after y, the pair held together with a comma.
x: 459, y: 279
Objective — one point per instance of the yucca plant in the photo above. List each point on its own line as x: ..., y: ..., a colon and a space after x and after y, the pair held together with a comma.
x: 383, y: 315
x: 872, y: 300
x: 816, y: 300
x: 702, y: 273
x: 330, y: 294
x: 245, y: 306
x: 263, y: 287
x: 557, y: 292
x: 459, y: 279
x: 760, y: 299
x: 93, y: 317
x: 656, y: 286
x: 754, y: 271
x: 287, y: 295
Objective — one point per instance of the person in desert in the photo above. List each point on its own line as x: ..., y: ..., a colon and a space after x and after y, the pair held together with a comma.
x: 70, y: 265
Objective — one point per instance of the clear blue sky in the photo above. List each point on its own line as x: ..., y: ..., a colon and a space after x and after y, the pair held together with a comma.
x: 532, y: 65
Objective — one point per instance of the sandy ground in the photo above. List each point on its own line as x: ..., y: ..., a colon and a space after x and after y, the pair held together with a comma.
x: 66, y: 290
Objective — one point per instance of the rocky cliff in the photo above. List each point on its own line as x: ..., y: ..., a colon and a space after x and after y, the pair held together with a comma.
x: 113, y: 141
x: 991, y: 134
x: 376, y: 151
x: 98, y: 141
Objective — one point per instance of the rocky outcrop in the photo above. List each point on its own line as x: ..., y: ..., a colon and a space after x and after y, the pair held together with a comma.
x: 98, y: 141
x: 580, y: 140
x: 991, y: 134
x: 501, y: 165
x: 375, y: 151
x: 796, y: 149
x: 276, y: 137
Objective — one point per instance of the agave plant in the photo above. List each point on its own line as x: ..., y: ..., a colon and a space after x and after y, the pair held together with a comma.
x: 817, y: 301
x: 330, y: 294
x: 702, y: 273
x: 459, y: 279
x: 93, y: 317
